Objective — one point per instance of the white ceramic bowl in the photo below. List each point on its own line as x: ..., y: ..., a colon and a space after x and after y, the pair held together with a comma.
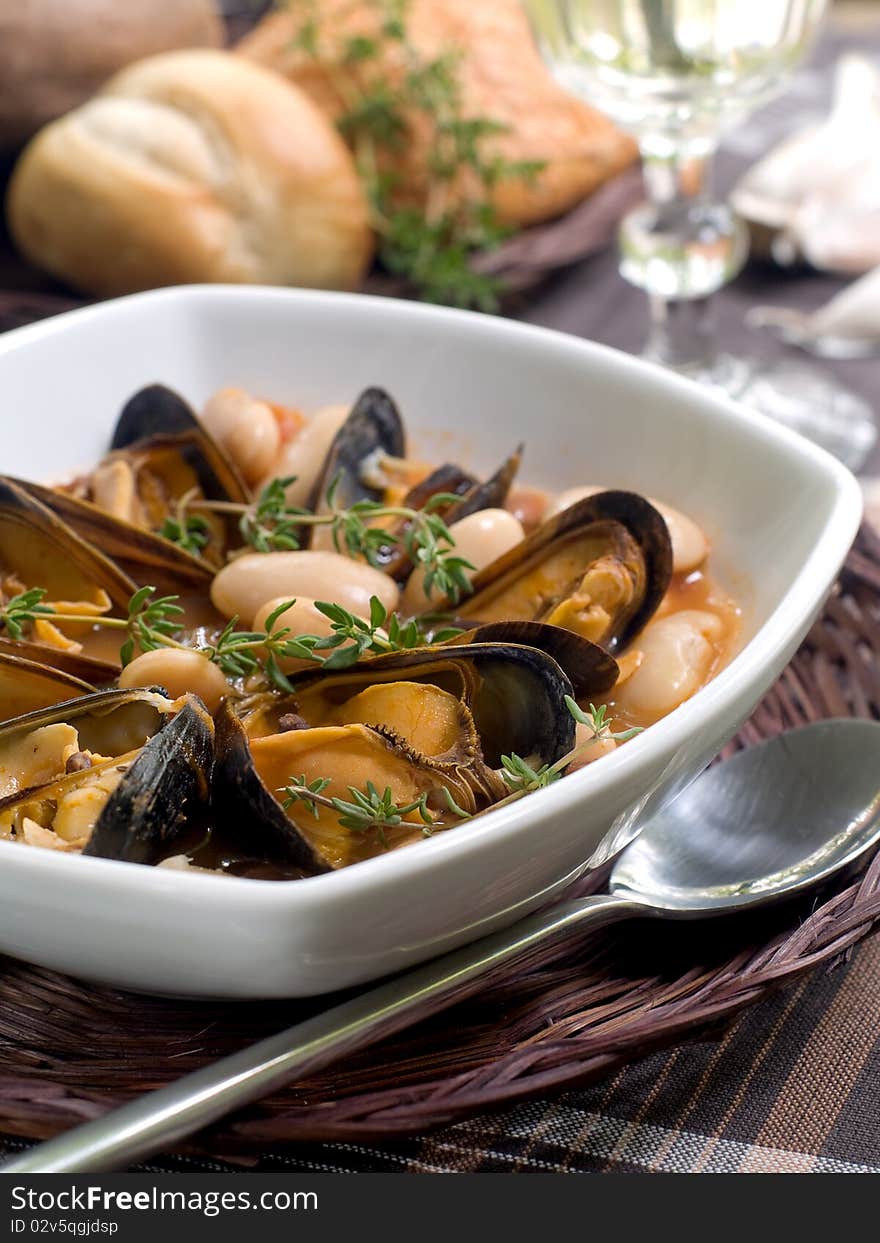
x: 780, y: 512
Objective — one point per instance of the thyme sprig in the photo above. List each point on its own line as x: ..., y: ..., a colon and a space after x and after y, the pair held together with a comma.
x: 189, y: 532
x: 429, y: 245
x: 522, y: 778
x: 150, y: 623
x: 21, y: 610
x: 156, y: 622
x: 366, y: 810
x: 269, y: 524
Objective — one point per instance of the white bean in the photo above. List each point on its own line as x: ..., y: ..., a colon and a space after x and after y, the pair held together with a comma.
x: 178, y: 672
x: 690, y: 548
x: 246, y: 428
x: 677, y: 656
x: 480, y: 538
x: 689, y: 545
x: 569, y: 497
x: 301, y: 618
x: 305, y: 455
x: 591, y: 750
x: 246, y: 583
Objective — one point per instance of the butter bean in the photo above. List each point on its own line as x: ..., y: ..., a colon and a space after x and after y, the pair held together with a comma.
x: 678, y: 652
x: 592, y: 750
x: 245, y: 584
x: 178, y: 672
x: 246, y: 428
x: 301, y: 618
x: 306, y: 454
x: 480, y: 538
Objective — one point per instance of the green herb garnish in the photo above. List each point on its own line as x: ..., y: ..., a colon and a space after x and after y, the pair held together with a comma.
x: 430, y: 246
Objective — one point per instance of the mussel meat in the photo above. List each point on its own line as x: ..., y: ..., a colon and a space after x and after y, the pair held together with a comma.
x: 418, y: 723
x: 160, y: 452
x: 117, y: 774
x: 37, y: 549
x: 600, y: 569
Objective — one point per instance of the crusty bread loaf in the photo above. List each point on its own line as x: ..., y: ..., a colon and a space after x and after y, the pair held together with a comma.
x: 56, y: 53
x: 192, y: 166
x: 501, y: 76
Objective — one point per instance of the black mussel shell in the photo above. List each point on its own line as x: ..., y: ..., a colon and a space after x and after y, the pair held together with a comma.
x: 622, y: 523
x: 589, y: 668
x: 491, y: 493
x: 373, y: 425
x: 163, y: 798
x: 158, y: 415
x: 246, y: 819
x: 515, y: 693
x: 473, y: 496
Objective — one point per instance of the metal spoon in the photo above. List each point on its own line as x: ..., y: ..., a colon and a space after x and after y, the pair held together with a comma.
x: 766, y: 824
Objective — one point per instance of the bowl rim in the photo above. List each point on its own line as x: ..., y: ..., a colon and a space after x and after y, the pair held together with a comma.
x: 800, y: 600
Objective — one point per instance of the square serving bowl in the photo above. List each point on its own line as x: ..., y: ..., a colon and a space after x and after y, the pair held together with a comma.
x: 781, y: 515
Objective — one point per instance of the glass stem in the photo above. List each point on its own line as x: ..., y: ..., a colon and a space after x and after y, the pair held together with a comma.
x: 680, y: 247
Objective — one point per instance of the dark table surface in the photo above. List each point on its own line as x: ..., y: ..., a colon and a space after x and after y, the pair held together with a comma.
x: 795, y: 1084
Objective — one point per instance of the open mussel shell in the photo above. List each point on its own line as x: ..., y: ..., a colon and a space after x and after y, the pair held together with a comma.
x: 27, y: 686
x: 110, y: 722
x: 473, y: 495
x: 373, y: 428
x: 38, y: 549
x: 158, y: 438
x: 87, y: 669
x: 589, y: 668
x: 145, y: 783
x: 490, y: 494
x: 542, y: 578
x: 158, y: 417
x: 146, y: 555
x: 515, y: 693
x: 443, y: 718
x: 161, y: 803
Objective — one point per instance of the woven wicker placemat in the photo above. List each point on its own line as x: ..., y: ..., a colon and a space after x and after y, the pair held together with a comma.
x: 69, y: 1051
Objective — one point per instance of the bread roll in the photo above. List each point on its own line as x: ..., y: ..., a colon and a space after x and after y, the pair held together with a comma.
x: 501, y: 76
x: 191, y: 166
x: 56, y: 53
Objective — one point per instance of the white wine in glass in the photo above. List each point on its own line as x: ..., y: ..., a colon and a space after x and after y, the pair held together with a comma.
x: 677, y: 74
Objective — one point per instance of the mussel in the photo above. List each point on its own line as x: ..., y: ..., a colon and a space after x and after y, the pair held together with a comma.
x: 373, y: 429
x: 37, y: 549
x: 144, y: 554
x: 590, y: 669
x: 160, y: 452
x: 117, y: 774
x: 361, y: 463
x: 473, y: 495
x: 420, y: 724
x: 600, y: 569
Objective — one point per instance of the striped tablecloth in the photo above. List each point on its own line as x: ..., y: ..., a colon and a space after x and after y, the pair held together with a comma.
x: 792, y: 1087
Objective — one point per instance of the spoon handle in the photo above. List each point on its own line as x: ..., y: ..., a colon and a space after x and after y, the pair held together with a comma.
x: 162, y: 1118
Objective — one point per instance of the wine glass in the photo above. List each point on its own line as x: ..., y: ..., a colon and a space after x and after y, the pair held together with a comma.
x: 677, y: 74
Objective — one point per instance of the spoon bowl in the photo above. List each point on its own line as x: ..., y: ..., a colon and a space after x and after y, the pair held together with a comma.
x: 772, y: 821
